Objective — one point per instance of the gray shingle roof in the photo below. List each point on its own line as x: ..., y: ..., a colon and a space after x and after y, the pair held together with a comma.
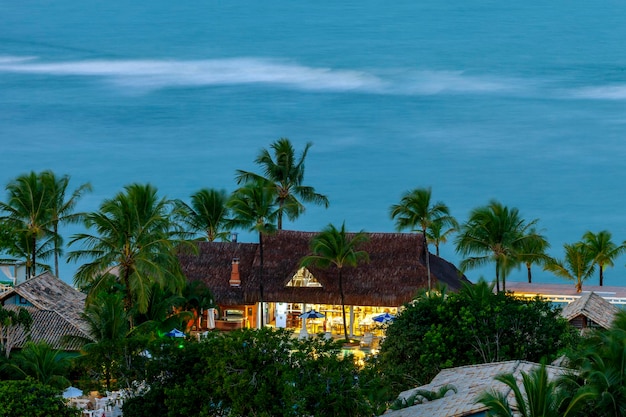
x: 592, y: 306
x: 56, y: 309
x: 469, y: 381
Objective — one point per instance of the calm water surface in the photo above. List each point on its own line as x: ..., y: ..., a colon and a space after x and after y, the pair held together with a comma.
x: 524, y: 103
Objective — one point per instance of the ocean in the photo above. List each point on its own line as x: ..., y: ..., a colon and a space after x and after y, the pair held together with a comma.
x: 520, y: 102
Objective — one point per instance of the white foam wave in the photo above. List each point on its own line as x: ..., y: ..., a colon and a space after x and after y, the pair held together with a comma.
x: 155, y: 74
x: 612, y: 92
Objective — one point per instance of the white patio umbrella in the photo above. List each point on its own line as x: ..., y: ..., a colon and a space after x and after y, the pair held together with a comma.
x: 72, y: 392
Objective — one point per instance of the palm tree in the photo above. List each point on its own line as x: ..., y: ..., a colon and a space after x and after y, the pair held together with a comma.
x: 28, y: 212
x: 284, y: 173
x: 416, y: 213
x: 333, y: 247
x: 207, y: 213
x: 541, y: 397
x: 533, y: 251
x: 108, y: 326
x: 577, y: 266
x: 603, y: 249
x: 61, y: 210
x: 44, y: 364
x: 439, y: 231
x: 253, y: 207
x: 19, y: 245
x: 134, y: 240
x: 600, y: 370
x: 493, y: 233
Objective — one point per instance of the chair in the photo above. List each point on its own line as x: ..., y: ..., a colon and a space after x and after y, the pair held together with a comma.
x: 368, y: 339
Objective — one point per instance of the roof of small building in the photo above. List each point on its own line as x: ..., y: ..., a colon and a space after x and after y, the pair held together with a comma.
x: 50, y: 327
x: 54, y: 302
x: 592, y: 306
x: 394, y: 274
x: 469, y: 382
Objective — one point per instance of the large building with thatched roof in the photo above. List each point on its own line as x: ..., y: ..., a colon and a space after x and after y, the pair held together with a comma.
x: 395, y: 273
x: 55, y: 308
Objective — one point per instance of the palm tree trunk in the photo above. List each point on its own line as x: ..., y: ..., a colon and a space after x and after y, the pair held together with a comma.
x: 427, y: 259
x: 261, y: 278
x: 497, y: 276
x: 56, y: 250
x: 530, y: 276
x: 34, y: 266
x: 601, y: 275
x: 343, y: 308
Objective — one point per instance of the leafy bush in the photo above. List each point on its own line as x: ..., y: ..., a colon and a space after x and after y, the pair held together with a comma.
x: 472, y: 326
x: 30, y: 398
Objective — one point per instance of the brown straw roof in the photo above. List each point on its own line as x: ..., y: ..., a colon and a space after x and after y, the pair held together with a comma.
x: 393, y: 276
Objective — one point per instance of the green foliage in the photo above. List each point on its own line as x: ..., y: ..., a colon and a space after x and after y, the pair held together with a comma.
x: 30, y: 398
x: 473, y: 326
x: 253, y: 372
x: 538, y: 397
x: 42, y: 363
x: 283, y: 176
x: 601, y: 365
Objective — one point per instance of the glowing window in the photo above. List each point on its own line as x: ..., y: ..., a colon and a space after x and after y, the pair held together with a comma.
x: 303, y: 278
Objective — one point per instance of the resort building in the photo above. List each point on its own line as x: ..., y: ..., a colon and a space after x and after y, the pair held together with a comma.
x: 278, y: 291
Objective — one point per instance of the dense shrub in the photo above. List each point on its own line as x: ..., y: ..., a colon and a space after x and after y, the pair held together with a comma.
x: 472, y: 326
x: 32, y: 399
x: 253, y: 372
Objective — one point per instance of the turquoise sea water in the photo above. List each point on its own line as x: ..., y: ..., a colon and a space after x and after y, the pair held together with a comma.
x: 523, y: 102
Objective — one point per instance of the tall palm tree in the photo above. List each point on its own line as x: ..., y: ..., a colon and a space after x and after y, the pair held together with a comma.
x: 108, y: 326
x: 533, y: 251
x: 253, y: 207
x: 208, y: 213
x: 439, y: 232
x: 416, y: 213
x: 493, y: 233
x: 577, y: 266
x: 28, y: 211
x: 134, y: 240
x: 334, y: 247
x: 18, y: 245
x: 61, y: 209
x: 540, y: 397
x: 604, y: 250
x: 284, y: 173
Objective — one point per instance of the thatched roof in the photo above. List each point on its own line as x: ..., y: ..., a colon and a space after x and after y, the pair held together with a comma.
x: 469, y: 381
x: 55, y: 306
x: 592, y: 306
x: 393, y: 276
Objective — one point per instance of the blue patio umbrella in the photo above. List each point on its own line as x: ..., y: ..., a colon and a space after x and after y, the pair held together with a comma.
x: 312, y: 314
x: 384, y: 318
x: 175, y: 333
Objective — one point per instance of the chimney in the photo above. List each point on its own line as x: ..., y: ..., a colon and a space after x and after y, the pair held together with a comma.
x: 235, y: 281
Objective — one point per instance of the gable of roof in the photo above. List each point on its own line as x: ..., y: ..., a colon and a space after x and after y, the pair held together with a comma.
x: 470, y: 381
x: 592, y: 306
x: 47, y: 292
x: 393, y: 276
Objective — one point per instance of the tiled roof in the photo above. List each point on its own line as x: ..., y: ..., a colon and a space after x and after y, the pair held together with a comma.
x: 50, y: 327
x: 592, y: 306
x: 470, y: 382
x: 56, y: 311
x: 47, y: 292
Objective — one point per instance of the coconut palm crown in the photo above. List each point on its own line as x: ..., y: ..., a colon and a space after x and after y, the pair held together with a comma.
x: 284, y: 174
